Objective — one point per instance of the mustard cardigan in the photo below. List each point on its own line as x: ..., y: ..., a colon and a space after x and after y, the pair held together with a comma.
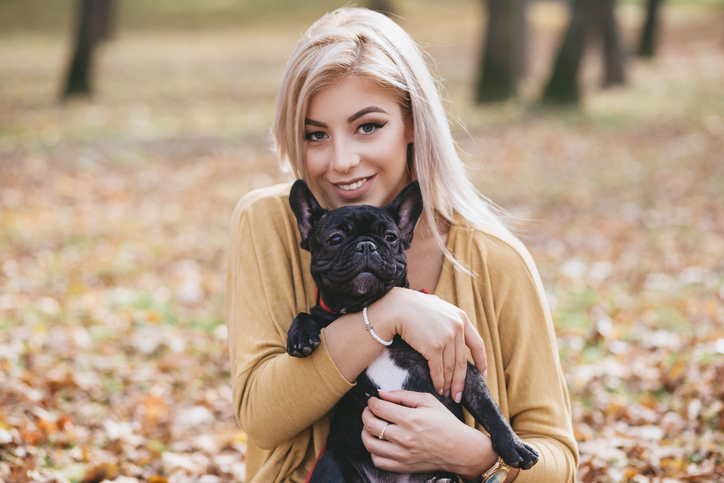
x: 283, y: 403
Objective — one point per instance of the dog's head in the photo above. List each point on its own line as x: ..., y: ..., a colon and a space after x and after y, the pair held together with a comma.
x: 358, y: 252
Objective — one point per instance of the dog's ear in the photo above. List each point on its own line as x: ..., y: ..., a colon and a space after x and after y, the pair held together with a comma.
x: 406, y: 209
x: 306, y: 209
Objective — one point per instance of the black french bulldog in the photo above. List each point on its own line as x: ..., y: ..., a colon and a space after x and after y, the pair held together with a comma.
x: 358, y: 255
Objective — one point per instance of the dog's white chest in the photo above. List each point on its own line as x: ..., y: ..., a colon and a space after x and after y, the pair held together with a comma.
x: 385, y: 374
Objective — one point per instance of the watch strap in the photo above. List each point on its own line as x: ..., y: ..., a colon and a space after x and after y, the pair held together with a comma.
x: 498, y: 473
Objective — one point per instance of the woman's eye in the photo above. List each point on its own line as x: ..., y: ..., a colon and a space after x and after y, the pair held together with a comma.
x: 316, y: 136
x: 391, y: 238
x: 334, y: 240
x: 370, y: 127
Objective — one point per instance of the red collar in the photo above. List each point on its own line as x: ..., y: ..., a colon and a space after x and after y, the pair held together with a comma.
x: 321, y: 303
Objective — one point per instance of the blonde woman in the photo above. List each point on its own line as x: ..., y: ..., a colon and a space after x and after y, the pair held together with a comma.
x: 359, y: 116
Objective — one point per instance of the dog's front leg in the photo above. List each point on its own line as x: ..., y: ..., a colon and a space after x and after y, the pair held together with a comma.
x: 303, y: 337
x: 478, y: 401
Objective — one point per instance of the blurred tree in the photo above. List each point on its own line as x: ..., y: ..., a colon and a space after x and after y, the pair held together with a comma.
x: 504, y: 55
x: 382, y: 6
x: 563, y: 86
x: 613, y: 52
x: 94, y: 23
x: 106, y: 18
x: 587, y: 17
x: 647, y: 45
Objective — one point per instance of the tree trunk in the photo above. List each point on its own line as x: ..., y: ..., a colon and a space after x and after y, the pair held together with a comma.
x: 613, y: 53
x: 563, y: 86
x: 504, y: 52
x: 647, y: 46
x: 105, y: 20
x: 382, y: 6
x: 521, y: 44
x: 94, y: 24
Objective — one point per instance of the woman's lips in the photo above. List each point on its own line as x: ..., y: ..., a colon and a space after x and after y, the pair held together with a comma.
x: 352, y: 186
x: 353, y: 190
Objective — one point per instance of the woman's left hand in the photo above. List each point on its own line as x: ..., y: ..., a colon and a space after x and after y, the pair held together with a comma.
x: 422, y: 436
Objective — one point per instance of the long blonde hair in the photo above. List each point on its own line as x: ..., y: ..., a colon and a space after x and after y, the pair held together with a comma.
x: 360, y: 42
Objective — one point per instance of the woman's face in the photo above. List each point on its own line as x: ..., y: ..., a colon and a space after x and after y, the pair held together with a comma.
x: 356, y: 144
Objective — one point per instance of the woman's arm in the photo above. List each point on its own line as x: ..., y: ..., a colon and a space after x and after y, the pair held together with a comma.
x: 276, y: 396
x: 435, y: 328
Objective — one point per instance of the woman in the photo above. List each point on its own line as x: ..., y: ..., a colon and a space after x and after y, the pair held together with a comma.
x: 358, y: 117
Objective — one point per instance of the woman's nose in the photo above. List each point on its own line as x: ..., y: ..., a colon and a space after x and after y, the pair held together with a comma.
x: 344, y: 157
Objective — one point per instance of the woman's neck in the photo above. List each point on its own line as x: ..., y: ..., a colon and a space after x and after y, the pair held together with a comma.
x: 425, y: 257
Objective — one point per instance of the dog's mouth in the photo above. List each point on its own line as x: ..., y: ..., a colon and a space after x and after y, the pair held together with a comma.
x: 365, y: 283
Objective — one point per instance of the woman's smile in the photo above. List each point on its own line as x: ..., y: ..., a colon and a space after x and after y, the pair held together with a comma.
x: 355, y: 190
x: 351, y: 186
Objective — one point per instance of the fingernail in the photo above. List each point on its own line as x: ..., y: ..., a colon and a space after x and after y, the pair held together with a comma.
x: 485, y: 374
x: 458, y: 397
x: 447, y: 394
x: 440, y: 392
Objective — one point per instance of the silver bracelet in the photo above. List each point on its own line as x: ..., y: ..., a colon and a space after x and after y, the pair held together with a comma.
x: 371, y: 330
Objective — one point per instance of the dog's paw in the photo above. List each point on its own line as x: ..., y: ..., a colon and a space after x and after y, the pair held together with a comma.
x: 517, y: 454
x: 303, y: 338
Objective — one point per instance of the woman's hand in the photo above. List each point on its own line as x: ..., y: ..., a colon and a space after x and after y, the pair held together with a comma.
x: 439, y: 331
x: 420, y: 435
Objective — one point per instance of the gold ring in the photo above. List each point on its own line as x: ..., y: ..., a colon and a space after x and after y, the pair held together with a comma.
x: 382, y: 434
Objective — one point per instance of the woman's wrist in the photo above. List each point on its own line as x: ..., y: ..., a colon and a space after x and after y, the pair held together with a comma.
x: 383, y: 315
x: 480, y: 457
x: 476, y: 455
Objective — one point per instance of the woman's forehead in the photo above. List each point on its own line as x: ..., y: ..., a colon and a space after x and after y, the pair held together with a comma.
x: 351, y: 93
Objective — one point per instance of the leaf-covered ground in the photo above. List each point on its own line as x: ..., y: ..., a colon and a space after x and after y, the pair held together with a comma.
x: 114, y: 217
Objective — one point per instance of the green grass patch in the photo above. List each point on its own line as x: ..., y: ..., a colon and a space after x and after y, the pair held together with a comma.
x: 572, y: 311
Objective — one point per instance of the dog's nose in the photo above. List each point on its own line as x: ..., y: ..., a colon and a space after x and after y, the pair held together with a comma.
x: 366, y: 246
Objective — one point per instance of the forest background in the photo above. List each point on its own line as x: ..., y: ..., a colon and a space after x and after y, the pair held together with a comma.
x: 115, y: 210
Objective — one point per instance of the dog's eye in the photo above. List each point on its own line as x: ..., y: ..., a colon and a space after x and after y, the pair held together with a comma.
x: 334, y: 240
x: 391, y: 238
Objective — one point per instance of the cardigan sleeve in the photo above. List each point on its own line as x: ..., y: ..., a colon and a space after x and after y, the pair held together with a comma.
x: 276, y: 396
x: 535, y: 390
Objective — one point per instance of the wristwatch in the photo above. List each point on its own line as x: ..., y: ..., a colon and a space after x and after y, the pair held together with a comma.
x: 498, y: 473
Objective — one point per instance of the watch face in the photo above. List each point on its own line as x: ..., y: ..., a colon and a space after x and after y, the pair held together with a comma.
x: 498, y: 477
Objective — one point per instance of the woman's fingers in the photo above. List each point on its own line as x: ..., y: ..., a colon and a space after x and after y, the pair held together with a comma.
x: 421, y: 434
x: 387, y: 411
x: 375, y: 426
x: 448, y: 362
x: 437, y: 373
x: 440, y: 331
x: 385, y: 454
x: 387, y: 464
x: 460, y: 371
x: 409, y: 399
x: 477, y: 348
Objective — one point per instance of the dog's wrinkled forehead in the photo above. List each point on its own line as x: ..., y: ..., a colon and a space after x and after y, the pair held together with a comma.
x: 359, y: 220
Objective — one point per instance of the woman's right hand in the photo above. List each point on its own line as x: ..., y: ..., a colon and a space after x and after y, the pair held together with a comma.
x: 439, y: 331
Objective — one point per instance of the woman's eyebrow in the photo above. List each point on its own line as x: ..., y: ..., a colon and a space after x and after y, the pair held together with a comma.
x: 312, y: 122
x: 364, y: 111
